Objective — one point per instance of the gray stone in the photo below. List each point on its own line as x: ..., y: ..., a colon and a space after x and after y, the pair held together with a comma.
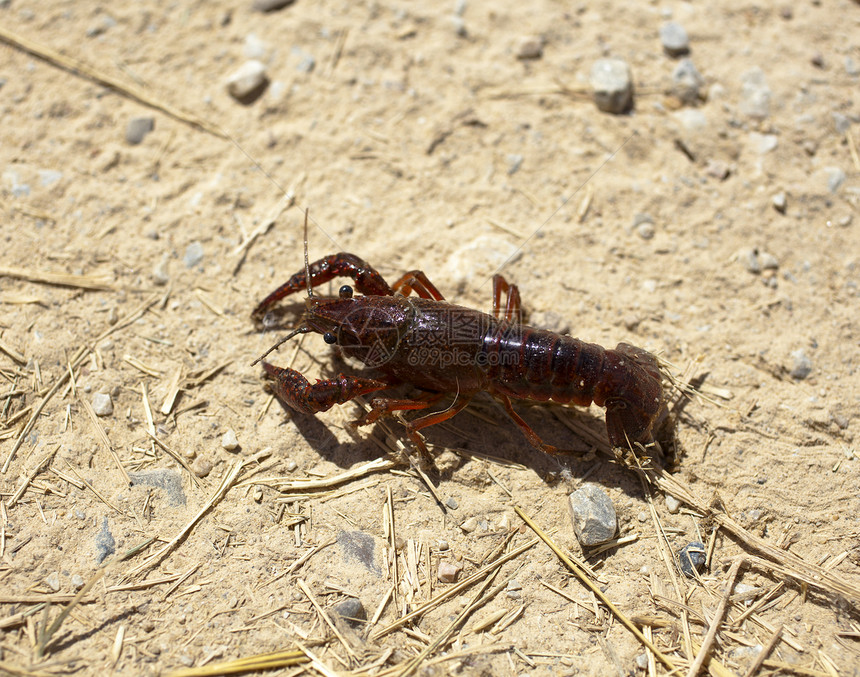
x: 755, y: 94
x: 77, y: 581
x: 841, y: 122
x: 692, y: 557
x: 802, y: 365
x: 594, y: 518
x: 137, y: 129
x: 104, y: 542
x: 360, y: 547
x: 271, y: 5
x: 687, y: 82
x: 229, y: 441
x: 851, y: 67
x: 612, y: 85
x: 162, y: 478
x: 102, y: 404
x: 835, y: 178
x: 451, y: 502
x: 674, y: 39
x: 248, y: 82
x: 193, y: 254
x: 351, y: 610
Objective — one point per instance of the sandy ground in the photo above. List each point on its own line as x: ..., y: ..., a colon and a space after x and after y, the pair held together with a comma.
x: 419, y: 139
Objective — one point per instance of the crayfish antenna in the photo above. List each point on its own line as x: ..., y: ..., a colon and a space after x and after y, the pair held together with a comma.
x: 307, y: 265
x: 304, y: 329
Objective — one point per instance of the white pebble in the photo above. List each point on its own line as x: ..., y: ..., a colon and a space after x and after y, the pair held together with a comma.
x: 102, y: 404
x: 248, y: 81
x: 229, y: 441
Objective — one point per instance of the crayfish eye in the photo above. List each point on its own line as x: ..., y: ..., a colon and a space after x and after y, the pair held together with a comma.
x: 345, y: 292
x: 329, y: 338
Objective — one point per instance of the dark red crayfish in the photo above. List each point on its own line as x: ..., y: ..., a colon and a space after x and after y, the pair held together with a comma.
x: 443, y: 348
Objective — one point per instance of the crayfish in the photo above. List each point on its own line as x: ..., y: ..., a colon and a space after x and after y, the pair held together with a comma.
x: 442, y: 348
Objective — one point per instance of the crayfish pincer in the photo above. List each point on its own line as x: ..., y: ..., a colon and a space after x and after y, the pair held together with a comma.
x: 441, y: 348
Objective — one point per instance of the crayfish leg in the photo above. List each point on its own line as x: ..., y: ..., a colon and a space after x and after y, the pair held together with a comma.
x: 533, y: 438
x: 297, y: 392
x: 512, y: 300
x: 382, y: 406
x: 417, y: 281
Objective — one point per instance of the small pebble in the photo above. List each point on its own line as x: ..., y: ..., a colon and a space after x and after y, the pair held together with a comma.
x: 675, y: 40
x: 449, y: 571
x: 755, y: 94
x: 52, y: 580
x: 779, y: 202
x: 851, y: 67
x: 612, y: 85
x: 718, y: 169
x: 470, y: 525
x: 229, y: 441
x: 459, y: 26
x: 201, y: 466
x: 763, y: 143
x: 593, y: 515
x: 530, y: 47
x: 673, y: 505
x: 687, y: 82
x: 442, y: 545
x: 137, y: 129
x: 504, y: 523
x: 160, y: 275
x: 768, y: 261
x: 271, y: 5
x: 193, y: 254
x: 801, y: 365
x: 102, y: 404
x: 642, y: 661
x: 291, y: 465
x: 835, y: 178
x: 645, y: 230
x: 841, y: 122
x: 257, y: 494
x: 77, y: 581
x: 248, y: 82
x: 817, y: 59
x: 514, y: 164
x: 451, y: 502
x: 306, y: 61
x: 692, y: 556
x: 352, y: 611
